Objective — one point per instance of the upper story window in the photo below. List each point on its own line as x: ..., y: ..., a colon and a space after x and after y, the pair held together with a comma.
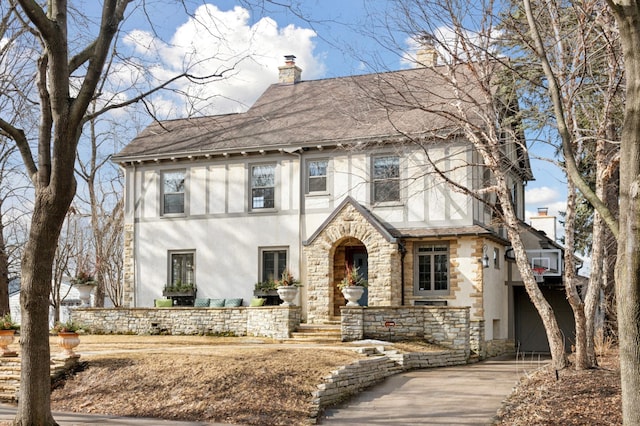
x: 263, y: 186
x: 183, y: 270
x: 432, y: 269
x: 317, y: 175
x: 173, y: 192
x: 386, y: 179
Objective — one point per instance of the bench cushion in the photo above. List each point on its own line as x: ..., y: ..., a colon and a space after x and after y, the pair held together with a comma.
x: 201, y: 302
x: 164, y: 303
x: 216, y: 303
x: 232, y: 303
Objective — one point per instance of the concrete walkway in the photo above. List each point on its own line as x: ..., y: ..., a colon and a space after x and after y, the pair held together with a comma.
x: 8, y: 412
x: 462, y: 395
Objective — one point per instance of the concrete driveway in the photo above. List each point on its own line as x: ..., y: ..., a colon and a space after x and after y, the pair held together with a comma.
x: 463, y: 395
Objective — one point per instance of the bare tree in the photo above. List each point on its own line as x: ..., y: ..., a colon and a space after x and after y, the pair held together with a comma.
x: 64, y: 76
x: 481, y: 105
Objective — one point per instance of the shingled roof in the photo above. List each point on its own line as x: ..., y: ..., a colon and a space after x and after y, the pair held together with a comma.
x: 367, y: 108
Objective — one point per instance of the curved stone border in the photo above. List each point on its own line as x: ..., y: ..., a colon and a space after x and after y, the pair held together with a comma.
x: 351, y: 379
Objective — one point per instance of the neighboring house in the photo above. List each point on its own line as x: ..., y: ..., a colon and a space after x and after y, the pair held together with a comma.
x: 70, y: 299
x: 314, y: 176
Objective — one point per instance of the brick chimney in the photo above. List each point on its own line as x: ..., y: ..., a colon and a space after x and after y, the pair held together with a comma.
x: 289, y: 72
x: 544, y: 222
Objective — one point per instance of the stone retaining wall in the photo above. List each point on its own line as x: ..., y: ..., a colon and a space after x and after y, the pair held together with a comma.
x: 269, y: 321
x: 353, y: 378
x: 445, y: 326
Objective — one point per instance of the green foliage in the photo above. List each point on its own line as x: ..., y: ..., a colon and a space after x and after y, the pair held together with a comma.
x: 178, y: 287
x: 6, y: 323
x: 66, y: 327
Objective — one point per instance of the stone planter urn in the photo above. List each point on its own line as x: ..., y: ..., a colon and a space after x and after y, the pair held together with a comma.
x: 353, y: 293
x: 85, y: 294
x: 68, y: 341
x: 6, y: 338
x: 288, y: 294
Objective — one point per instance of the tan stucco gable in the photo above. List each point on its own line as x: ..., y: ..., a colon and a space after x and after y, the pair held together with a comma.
x: 350, y: 222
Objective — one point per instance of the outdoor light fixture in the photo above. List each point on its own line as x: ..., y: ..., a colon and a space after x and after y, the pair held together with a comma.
x: 485, y: 257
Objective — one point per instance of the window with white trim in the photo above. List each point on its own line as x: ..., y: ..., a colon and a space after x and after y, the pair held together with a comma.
x: 317, y: 175
x: 432, y: 269
x: 182, y: 268
x: 263, y: 186
x: 173, y: 190
x: 273, y: 262
x: 386, y: 178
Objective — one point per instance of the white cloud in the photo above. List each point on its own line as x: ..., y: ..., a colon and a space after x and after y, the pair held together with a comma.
x: 213, y: 41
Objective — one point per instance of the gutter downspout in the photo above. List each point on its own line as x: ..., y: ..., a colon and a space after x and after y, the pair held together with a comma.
x: 403, y: 251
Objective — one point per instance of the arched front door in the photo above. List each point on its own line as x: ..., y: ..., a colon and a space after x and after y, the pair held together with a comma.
x: 353, y: 253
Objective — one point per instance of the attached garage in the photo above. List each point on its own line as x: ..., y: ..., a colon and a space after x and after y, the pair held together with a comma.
x: 529, y: 331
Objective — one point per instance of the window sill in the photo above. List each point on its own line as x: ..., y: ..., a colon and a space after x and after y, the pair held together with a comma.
x: 173, y: 215
x: 317, y: 194
x: 258, y: 211
x: 384, y: 204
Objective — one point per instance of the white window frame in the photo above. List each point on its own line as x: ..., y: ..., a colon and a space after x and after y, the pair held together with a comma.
x: 252, y: 199
x: 164, y: 193
x: 432, y: 250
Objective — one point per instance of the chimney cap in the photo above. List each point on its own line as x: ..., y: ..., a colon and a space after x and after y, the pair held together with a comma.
x: 543, y: 211
x: 290, y: 58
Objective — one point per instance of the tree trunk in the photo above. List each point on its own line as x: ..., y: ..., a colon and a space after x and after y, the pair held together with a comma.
x: 37, y: 260
x: 4, y: 270
x: 627, y: 15
x: 569, y: 278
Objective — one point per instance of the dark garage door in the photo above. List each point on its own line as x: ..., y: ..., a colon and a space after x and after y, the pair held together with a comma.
x: 530, y: 334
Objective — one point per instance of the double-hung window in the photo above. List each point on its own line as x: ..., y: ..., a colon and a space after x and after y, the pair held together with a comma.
x: 263, y: 186
x: 386, y: 178
x: 273, y: 264
x: 432, y: 269
x: 173, y: 192
x: 317, y: 175
x: 182, y: 268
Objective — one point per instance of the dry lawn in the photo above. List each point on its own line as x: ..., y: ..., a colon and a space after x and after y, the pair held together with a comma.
x: 575, y: 398
x: 198, y: 378
x: 261, y: 382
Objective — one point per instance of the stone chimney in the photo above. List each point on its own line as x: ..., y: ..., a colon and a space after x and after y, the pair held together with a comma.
x: 544, y: 222
x: 427, y: 57
x: 289, y: 72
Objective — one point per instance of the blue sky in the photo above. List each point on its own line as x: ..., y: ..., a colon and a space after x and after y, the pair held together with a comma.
x: 330, y: 43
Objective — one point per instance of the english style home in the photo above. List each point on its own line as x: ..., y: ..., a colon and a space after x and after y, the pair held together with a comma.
x: 318, y: 175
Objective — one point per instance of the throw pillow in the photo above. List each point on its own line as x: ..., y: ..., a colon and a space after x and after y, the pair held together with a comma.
x: 232, y: 303
x: 216, y: 303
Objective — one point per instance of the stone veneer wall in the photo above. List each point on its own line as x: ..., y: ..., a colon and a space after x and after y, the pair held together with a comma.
x: 128, y: 267
x: 383, y: 263
x: 269, y: 321
x: 446, y: 326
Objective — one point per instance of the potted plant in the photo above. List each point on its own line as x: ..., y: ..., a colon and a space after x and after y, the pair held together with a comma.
x: 7, y: 332
x: 68, y: 337
x: 287, y: 288
x: 352, y: 285
x: 84, y: 282
x: 179, y: 289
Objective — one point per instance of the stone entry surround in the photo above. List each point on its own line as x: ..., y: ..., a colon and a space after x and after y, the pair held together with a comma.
x: 350, y: 221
